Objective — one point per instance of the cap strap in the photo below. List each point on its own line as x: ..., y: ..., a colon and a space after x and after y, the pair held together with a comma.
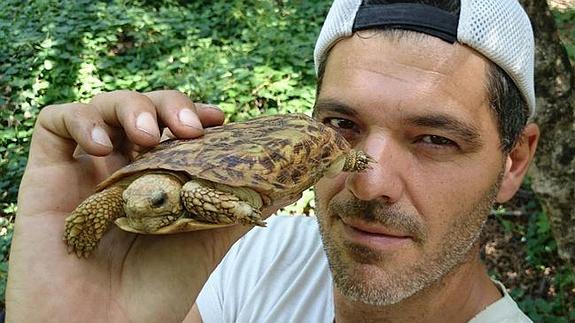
x: 411, y: 16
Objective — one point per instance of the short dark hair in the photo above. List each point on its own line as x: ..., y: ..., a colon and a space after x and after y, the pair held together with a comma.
x: 510, y: 107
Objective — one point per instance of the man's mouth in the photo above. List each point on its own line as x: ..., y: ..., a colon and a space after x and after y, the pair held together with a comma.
x: 373, y: 235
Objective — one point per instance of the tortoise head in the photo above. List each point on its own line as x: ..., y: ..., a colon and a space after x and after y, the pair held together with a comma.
x: 353, y: 161
x: 151, y: 202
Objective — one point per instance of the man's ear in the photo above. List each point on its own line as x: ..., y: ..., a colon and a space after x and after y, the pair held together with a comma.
x: 517, y: 163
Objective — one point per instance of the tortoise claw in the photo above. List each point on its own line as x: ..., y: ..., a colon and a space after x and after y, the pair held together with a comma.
x: 90, y: 220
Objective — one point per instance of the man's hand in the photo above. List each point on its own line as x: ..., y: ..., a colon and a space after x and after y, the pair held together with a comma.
x: 130, y: 278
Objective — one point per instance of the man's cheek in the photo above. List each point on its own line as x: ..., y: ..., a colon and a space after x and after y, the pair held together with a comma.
x: 327, y: 188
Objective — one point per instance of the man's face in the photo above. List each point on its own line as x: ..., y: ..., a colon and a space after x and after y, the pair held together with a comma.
x: 420, y: 108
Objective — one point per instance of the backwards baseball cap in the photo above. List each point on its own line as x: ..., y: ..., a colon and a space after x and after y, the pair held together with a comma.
x: 498, y: 29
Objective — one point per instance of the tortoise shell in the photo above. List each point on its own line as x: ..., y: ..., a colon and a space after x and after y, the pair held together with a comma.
x: 277, y: 156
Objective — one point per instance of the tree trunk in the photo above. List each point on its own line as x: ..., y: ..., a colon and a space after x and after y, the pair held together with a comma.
x: 553, y: 172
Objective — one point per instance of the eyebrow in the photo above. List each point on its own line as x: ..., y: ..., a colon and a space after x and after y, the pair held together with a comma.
x: 330, y: 105
x: 461, y: 129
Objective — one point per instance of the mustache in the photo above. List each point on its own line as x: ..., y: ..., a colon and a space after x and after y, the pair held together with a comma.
x: 380, y: 213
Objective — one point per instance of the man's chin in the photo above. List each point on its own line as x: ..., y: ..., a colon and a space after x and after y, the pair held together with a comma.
x: 372, y: 285
x: 363, y: 274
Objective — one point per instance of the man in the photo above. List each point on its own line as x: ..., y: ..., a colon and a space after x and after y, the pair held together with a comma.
x: 439, y: 94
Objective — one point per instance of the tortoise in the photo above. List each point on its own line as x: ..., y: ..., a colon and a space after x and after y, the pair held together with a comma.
x: 222, y: 178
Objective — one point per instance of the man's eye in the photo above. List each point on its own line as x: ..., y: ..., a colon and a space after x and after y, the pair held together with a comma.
x: 437, y: 141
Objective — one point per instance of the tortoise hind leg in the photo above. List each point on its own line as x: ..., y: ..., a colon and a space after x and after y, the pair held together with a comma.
x: 86, y: 225
x: 209, y: 204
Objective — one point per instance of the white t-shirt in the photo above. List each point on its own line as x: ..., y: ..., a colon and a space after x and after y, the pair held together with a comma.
x: 280, y: 274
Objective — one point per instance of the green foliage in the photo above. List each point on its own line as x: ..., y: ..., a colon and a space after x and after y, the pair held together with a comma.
x: 539, y: 240
x: 6, y: 231
x: 553, y: 278
x: 566, y: 25
x: 541, y: 248
x: 251, y: 57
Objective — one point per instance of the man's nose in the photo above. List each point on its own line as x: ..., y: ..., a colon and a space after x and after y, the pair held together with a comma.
x: 384, y: 180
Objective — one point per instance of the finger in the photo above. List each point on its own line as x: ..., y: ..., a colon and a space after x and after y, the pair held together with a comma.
x: 210, y: 114
x: 177, y: 112
x: 184, y: 118
x: 61, y: 128
x: 135, y: 113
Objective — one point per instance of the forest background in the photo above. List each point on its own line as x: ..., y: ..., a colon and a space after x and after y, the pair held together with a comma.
x: 250, y: 57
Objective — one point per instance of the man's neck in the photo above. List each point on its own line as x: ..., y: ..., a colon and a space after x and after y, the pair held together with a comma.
x: 457, y: 297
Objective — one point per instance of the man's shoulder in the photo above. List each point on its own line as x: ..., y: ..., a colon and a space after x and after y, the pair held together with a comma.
x: 279, y: 222
x: 277, y: 273
x: 285, y: 235
x: 283, y: 229
x: 505, y: 310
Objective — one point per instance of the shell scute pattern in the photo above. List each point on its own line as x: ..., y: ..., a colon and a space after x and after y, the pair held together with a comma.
x: 274, y: 155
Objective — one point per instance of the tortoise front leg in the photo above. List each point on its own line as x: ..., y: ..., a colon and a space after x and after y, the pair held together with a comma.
x: 212, y: 205
x: 86, y: 225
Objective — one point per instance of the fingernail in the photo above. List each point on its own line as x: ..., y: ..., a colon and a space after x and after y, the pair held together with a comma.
x: 188, y: 118
x: 147, y: 123
x: 210, y: 106
x: 213, y: 107
x: 100, y: 137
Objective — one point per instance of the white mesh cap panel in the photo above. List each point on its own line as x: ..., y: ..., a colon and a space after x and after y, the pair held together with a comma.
x: 338, y: 24
x: 501, y: 30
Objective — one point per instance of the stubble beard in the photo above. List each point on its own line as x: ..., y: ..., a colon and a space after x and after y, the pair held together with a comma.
x: 388, y: 287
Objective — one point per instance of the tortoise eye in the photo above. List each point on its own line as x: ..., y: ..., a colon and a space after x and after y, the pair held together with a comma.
x: 341, y: 123
x: 158, y: 199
